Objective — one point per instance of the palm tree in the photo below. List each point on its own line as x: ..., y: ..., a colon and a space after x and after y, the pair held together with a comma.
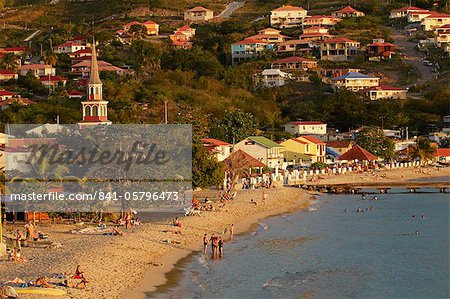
x: 50, y: 58
x: 41, y: 175
x: 424, y: 150
x: 9, y: 61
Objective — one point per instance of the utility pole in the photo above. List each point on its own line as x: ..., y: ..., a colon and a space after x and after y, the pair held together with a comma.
x: 166, y: 120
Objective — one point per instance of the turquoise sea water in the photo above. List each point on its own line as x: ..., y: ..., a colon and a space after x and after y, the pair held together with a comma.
x: 328, y: 253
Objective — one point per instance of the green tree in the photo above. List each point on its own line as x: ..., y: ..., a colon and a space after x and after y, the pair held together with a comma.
x: 424, y: 150
x: 373, y: 140
x: 234, y: 125
x: 9, y: 61
x: 206, y: 171
x: 138, y: 30
x: 50, y: 58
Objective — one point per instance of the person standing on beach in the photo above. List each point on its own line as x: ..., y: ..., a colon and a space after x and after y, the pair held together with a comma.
x: 18, y: 239
x: 220, y: 247
x: 264, y: 198
x: 216, y: 247
x: 212, y: 244
x: 232, y: 231
x: 205, y: 243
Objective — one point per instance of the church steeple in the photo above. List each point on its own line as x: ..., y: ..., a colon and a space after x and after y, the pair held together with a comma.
x: 94, y: 77
x: 95, y: 109
x: 95, y: 85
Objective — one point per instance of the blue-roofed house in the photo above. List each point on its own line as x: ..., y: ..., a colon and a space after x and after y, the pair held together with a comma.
x: 355, y: 81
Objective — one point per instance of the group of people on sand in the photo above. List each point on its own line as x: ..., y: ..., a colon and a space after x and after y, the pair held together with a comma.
x: 77, y: 281
x: 263, y: 199
x: 217, y: 242
x: 128, y: 221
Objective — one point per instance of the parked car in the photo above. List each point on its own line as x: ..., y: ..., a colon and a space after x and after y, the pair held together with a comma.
x: 427, y: 63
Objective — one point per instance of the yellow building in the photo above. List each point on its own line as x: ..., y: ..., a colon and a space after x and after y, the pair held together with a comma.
x: 355, y: 82
x: 287, y: 16
x: 435, y: 20
x: 304, y: 150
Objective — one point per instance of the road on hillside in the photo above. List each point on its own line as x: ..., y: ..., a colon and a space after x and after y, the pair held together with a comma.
x: 413, y: 56
x: 230, y: 9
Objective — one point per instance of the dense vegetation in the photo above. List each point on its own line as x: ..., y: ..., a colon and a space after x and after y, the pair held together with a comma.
x: 202, y: 84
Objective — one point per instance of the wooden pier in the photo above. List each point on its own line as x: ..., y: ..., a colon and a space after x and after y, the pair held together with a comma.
x: 380, y: 187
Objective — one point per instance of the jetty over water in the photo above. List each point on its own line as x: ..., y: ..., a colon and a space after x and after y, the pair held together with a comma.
x: 381, y: 187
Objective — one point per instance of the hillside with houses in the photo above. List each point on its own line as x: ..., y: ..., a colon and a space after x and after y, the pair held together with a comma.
x: 290, y: 83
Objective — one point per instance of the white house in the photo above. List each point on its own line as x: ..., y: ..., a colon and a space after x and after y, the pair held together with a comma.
x: 220, y: 149
x: 198, y: 13
x: 69, y: 47
x: 263, y: 149
x: 287, y: 16
x: 273, y: 78
x: 355, y: 81
x: 385, y: 92
x: 306, y: 128
x: 435, y: 20
x: 404, y: 11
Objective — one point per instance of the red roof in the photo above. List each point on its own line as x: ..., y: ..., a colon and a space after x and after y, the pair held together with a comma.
x: 82, y: 51
x: 406, y: 8
x: 198, y: 8
x: 288, y: 8
x: 347, y: 9
x: 293, y: 59
x: 150, y: 22
x: 69, y: 43
x: 52, y: 79
x: 315, y: 27
x: 248, y: 41
x: 13, y: 49
x: 435, y: 14
x: 381, y: 45
x: 442, y: 152
x: 243, y: 159
x: 320, y: 17
x: 358, y: 153
x: 6, y: 72
x: 74, y: 92
x: 339, y: 40
x: 131, y: 24
x: 214, y: 142
x: 184, y: 28
x: 313, y: 139
x: 307, y: 123
x: 315, y: 34
x: 6, y: 93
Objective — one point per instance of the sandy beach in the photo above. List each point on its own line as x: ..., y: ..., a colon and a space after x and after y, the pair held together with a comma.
x: 126, y: 266
x: 117, y: 265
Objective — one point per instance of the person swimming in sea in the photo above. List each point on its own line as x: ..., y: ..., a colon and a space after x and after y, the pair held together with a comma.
x: 413, y: 216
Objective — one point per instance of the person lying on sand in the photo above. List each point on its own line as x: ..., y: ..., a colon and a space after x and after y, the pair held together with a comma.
x: 42, y: 282
x: 253, y: 202
x: 16, y: 256
x: 117, y: 231
x: 76, y: 285
x: 78, y: 273
x: 16, y: 280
